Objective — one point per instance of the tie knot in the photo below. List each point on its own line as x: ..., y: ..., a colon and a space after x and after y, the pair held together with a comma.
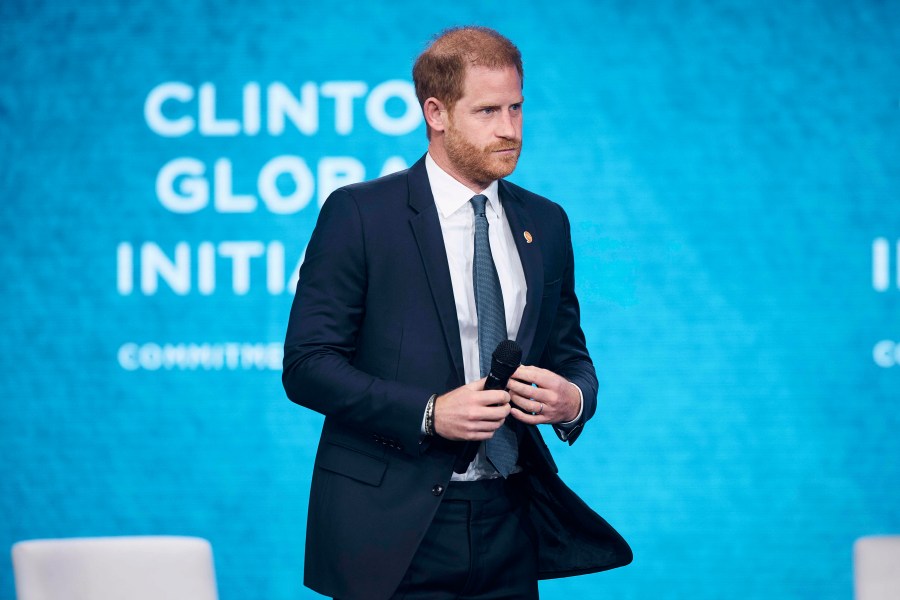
x: 478, y: 203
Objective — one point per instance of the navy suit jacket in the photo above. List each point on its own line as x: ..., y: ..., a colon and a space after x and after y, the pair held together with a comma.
x: 373, y: 333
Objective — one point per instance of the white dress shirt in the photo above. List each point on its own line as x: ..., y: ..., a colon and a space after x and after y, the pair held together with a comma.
x: 457, y: 218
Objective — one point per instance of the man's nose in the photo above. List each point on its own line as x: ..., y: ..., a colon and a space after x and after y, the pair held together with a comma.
x: 506, y: 125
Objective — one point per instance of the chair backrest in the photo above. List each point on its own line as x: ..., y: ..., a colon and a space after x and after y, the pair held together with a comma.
x: 876, y: 567
x: 115, y: 568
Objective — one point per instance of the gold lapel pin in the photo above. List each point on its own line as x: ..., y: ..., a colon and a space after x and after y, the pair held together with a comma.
x: 528, y: 237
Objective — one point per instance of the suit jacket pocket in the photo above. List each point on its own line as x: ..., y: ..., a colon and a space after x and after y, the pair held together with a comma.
x: 351, y: 463
x: 552, y: 288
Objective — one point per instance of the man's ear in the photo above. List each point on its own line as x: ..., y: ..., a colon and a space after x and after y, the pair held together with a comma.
x: 435, y: 114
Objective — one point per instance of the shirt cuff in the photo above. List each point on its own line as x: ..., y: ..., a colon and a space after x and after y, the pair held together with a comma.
x: 563, y: 429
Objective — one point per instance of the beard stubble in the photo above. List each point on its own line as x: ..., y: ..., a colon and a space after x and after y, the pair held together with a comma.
x: 481, y: 165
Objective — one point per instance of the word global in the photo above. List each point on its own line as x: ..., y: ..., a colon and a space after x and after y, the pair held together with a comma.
x: 285, y: 184
x: 185, y: 268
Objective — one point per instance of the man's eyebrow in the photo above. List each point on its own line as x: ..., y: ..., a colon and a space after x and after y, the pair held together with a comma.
x: 495, y: 104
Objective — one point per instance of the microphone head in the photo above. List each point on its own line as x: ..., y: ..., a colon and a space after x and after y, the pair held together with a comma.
x: 507, y: 353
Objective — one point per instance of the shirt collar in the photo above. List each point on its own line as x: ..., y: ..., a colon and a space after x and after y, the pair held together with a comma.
x: 450, y: 195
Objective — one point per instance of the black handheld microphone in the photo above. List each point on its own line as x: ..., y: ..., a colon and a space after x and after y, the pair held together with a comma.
x: 504, y: 362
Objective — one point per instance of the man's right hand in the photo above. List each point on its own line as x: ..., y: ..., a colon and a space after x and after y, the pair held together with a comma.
x: 470, y: 412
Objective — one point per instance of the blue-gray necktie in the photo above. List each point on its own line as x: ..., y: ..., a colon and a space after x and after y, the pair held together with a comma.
x: 502, y: 449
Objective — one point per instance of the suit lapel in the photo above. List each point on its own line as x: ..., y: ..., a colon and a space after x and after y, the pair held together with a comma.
x: 529, y: 249
x: 427, y: 230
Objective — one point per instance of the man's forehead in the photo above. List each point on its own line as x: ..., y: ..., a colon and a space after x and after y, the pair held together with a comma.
x: 474, y: 70
x: 480, y: 80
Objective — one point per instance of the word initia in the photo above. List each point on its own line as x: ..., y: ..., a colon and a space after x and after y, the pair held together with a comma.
x: 881, y: 264
x: 187, y: 268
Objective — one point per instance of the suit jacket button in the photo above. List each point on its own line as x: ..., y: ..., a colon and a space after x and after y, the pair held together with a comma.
x: 437, y: 490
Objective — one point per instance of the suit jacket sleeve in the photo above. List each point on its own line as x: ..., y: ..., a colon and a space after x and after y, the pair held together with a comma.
x: 324, y: 324
x: 566, y: 351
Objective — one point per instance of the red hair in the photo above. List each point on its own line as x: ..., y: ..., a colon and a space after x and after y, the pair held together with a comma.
x: 440, y: 71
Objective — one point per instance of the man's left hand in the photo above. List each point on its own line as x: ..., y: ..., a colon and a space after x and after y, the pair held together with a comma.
x: 552, y: 399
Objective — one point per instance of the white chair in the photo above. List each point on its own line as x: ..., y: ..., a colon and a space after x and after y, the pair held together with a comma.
x: 876, y: 567
x: 115, y: 568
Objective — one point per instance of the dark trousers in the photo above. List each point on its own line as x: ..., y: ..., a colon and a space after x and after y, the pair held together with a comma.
x: 479, y: 547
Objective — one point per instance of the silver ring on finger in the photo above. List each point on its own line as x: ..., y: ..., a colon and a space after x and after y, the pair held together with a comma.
x: 542, y: 409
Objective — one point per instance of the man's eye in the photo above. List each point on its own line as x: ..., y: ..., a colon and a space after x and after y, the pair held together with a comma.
x: 515, y: 107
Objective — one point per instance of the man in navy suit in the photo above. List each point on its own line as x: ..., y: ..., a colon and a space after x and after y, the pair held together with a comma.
x: 383, y: 340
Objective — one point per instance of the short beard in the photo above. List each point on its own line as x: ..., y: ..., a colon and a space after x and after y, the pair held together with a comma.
x: 480, y: 164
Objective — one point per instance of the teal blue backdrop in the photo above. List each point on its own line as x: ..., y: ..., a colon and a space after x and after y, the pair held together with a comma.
x: 731, y: 172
